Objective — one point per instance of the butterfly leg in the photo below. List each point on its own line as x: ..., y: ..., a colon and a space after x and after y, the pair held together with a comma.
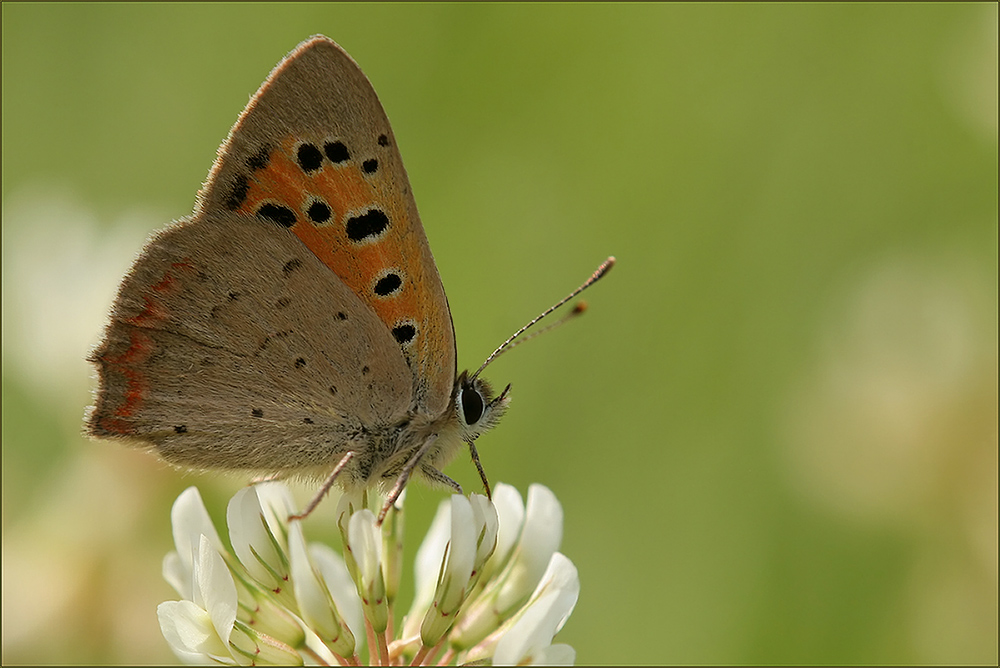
x: 440, y: 478
x: 479, y: 465
x: 404, y: 475
x: 325, y: 488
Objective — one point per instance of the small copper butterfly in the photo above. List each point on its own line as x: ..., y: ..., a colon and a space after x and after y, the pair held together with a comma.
x: 295, y: 323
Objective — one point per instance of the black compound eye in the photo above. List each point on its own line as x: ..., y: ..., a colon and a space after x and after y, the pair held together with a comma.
x: 472, y: 405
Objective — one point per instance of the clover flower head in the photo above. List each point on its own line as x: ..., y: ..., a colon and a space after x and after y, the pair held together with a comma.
x: 489, y: 583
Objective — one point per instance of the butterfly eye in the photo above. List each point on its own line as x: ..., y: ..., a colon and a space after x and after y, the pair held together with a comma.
x: 472, y: 404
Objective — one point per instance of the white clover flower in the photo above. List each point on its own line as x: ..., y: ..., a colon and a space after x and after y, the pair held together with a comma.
x: 257, y: 518
x: 472, y: 541
x: 538, y: 532
x: 526, y: 638
x: 190, y: 522
x: 204, y: 628
x: 316, y: 602
x: 198, y: 629
x: 489, y: 584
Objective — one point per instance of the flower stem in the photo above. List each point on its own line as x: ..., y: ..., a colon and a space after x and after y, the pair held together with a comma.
x: 426, y: 654
x: 383, y: 650
x: 447, y: 658
x: 372, y: 645
x: 422, y: 653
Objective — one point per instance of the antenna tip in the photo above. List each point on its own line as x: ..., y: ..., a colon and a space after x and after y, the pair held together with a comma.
x: 579, y: 307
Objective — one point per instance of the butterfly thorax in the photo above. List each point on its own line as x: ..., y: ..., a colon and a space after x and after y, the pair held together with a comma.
x: 381, y: 454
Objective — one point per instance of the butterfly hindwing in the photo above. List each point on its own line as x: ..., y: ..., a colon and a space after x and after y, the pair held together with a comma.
x: 236, y: 326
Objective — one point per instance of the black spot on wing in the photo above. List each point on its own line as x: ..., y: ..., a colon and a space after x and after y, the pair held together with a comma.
x: 367, y: 225
x: 237, y: 193
x: 309, y: 157
x: 276, y: 213
x: 336, y: 152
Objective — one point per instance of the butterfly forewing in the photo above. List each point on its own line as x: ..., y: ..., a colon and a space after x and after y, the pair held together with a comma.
x: 313, y: 153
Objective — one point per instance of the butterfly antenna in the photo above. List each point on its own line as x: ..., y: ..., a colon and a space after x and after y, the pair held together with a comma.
x: 577, y: 310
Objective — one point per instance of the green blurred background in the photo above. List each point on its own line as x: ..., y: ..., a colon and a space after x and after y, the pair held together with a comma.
x: 774, y: 435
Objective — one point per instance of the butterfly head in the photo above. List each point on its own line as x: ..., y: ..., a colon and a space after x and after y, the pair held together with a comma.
x: 477, y: 409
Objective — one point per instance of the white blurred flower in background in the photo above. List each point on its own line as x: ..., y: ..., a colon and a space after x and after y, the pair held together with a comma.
x: 61, y: 269
x: 896, y: 429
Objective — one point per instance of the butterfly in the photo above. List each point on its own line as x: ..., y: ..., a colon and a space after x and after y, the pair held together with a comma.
x: 296, y: 323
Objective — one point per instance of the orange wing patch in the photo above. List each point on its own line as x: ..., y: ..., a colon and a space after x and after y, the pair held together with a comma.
x: 331, y: 200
